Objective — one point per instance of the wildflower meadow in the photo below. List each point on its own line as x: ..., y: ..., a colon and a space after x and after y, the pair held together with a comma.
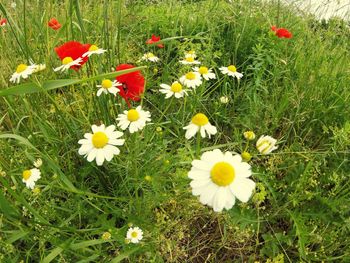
x: 173, y: 131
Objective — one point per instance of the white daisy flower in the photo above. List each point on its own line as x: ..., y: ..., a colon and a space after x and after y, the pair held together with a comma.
x: 150, y: 56
x: 231, y: 71
x: 190, y: 54
x: 189, y: 61
x: 135, y: 119
x: 38, y: 162
x: 22, y: 71
x: 199, y: 123
x: 101, y: 144
x: 134, y: 235
x: 266, y: 144
x: 205, y: 72
x: 108, y: 86
x: 175, y: 90
x: 30, y: 177
x: 67, y: 62
x: 219, y: 178
x: 93, y: 49
x: 191, y: 79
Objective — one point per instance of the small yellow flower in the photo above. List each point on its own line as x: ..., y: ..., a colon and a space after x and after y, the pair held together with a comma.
x: 148, y: 178
x: 106, y: 236
x: 249, y: 135
x: 36, y: 190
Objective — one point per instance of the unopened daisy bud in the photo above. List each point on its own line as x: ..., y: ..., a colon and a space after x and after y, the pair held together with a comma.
x: 36, y: 190
x: 166, y: 162
x: 249, y: 135
x: 148, y: 178
x: 127, y: 241
x: 155, y: 70
x: 38, y: 162
x: 224, y: 100
x: 106, y: 236
x: 130, y: 224
x: 159, y: 129
x: 246, y: 156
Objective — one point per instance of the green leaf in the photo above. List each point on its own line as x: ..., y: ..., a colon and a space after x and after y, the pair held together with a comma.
x: 54, y: 253
x: 124, y: 255
x: 57, y: 169
x: 17, y: 235
x: 88, y: 243
x: 28, y: 88
x: 6, y: 208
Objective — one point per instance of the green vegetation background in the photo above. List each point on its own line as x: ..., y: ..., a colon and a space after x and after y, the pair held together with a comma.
x: 296, y: 90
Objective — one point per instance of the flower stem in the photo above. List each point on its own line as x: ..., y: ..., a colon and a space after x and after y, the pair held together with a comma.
x: 198, y: 149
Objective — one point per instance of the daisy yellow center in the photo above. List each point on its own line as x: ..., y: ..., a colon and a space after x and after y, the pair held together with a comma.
x: 106, y: 84
x: 190, y: 76
x: 200, y: 119
x: 134, y: 234
x: 190, y: 59
x: 150, y: 55
x: 232, y: 68
x: 67, y: 60
x: 21, y: 68
x: 93, y: 48
x: 191, y: 52
x: 222, y: 174
x: 133, y: 115
x: 99, y: 139
x: 203, y: 70
x: 176, y: 87
x: 26, y: 174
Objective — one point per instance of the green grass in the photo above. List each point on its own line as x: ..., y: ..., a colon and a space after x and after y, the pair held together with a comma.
x: 295, y: 90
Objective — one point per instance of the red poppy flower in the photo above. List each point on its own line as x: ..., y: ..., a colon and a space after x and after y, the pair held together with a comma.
x: 281, y: 32
x: 3, y: 22
x: 133, y: 84
x: 154, y: 40
x: 54, y: 24
x: 73, y: 50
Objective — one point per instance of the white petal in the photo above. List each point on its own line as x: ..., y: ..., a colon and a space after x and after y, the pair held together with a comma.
x: 200, y: 165
x: 109, y: 152
x: 100, y: 157
x: 92, y: 155
x: 242, y: 188
x: 200, y: 183
x: 85, y: 148
x: 191, y: 131
x: 197, y: 174
x: 207, y: 194
x: 219, y: 199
